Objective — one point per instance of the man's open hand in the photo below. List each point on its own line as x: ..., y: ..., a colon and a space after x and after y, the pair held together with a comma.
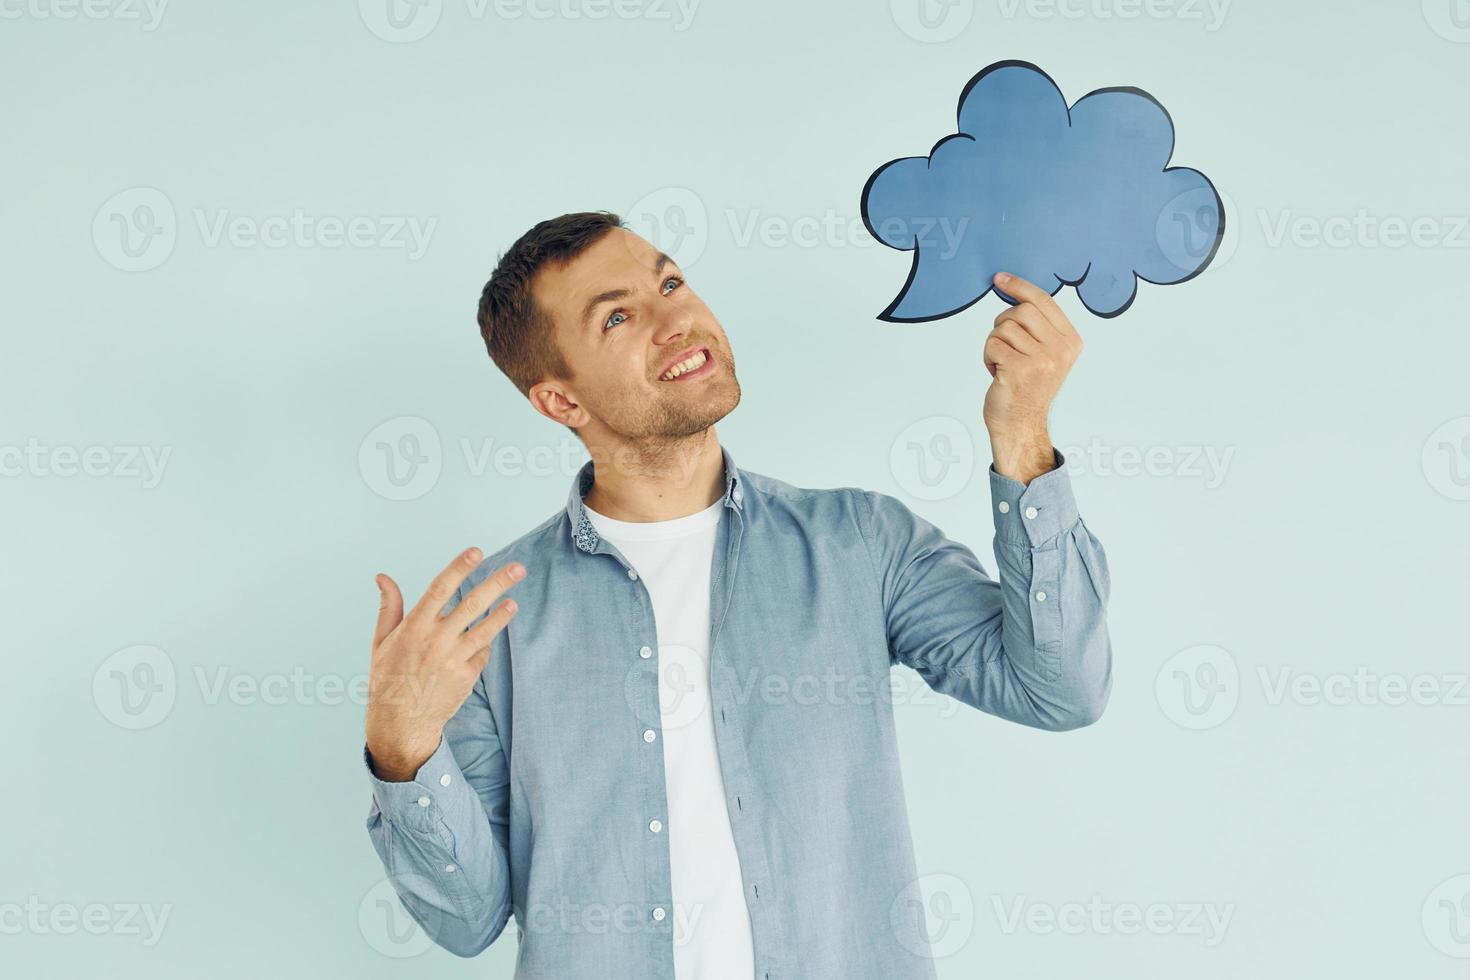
x: 425, y: 664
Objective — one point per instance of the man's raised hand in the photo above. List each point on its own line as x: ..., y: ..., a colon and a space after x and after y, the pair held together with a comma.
x: 425, y: 664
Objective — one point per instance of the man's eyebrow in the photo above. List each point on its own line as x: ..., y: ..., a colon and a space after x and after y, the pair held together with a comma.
x: 613, y: 294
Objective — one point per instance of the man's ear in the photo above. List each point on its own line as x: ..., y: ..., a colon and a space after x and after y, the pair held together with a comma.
x: 557, y: 404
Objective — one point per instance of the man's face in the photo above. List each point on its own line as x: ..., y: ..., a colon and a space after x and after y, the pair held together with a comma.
x: 623, y: 316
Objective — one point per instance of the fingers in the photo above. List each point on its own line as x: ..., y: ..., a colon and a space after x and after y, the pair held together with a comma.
x: 1030, y: 319
x: 442, y: 589
x: 477, y: 663
x: 390, y: 609
x: 483, y: 595
x: 999, y: 354
x: 1020, y: 338
x: 1021, y: 331
x: 1029, y: 292
x: 477, y: 640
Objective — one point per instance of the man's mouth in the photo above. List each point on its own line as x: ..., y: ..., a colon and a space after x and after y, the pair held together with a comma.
x: 696, y: 365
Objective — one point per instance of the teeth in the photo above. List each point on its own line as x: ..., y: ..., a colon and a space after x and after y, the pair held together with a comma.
x: 696, y: 360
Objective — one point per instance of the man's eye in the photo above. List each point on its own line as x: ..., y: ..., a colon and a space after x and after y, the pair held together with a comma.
x: 613, y: 320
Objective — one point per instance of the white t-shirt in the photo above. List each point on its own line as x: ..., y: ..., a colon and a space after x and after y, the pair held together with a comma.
x: 712, y: 939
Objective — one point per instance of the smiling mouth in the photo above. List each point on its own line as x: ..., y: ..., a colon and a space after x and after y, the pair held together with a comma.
x: 696, y: 365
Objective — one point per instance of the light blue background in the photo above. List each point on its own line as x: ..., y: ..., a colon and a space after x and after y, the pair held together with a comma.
x: 1330, y: 832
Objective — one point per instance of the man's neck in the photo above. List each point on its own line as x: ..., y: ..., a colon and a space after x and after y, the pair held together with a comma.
x: 657, y: 482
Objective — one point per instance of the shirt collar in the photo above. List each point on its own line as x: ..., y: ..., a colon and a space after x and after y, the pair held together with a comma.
x: 585, y: 536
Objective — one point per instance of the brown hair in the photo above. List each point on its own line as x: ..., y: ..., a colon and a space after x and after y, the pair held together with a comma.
x: 518, y: 334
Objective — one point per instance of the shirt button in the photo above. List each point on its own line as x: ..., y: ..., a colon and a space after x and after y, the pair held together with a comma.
x: 444, y: 779
x: 658, y: 915
x: 449, y: 869
x: 1041, y: 597
x: 1004, y: 506
x: 655, y: 826
x: 423, y: 801
x: 645, y: 652
x: 648, y: 736
x: 737, y: 495
x: 632, y: 574
x: 1030, y: 513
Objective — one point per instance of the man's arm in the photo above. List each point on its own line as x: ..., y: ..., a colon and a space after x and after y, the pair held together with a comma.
x: 440, y: 821
x: 1032, y: 647
x: 449, y: 861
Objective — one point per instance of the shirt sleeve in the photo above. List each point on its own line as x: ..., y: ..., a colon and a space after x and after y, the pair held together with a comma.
x: 443, y: 836
x: 1032, y: 646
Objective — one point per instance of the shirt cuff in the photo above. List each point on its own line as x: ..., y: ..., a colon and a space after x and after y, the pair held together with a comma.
x: 1029, y: 515
x: 420, y: 803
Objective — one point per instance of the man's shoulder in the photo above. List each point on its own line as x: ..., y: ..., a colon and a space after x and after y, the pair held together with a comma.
x: 819, y: 504
x: 532, y: 548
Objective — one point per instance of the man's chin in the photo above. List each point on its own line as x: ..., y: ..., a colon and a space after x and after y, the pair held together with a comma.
x: 692, y: 420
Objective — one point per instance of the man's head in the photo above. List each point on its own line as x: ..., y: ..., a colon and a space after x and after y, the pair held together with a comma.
x: 585, y: 318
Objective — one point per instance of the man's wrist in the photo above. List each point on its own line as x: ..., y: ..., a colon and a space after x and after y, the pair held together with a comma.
x: 400, y: 763
x: 1022, y: 455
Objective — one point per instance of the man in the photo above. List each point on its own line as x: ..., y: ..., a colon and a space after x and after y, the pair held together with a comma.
x: 670, y: 755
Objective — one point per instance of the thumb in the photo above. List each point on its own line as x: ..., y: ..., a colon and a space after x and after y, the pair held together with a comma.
x: 390, y: 609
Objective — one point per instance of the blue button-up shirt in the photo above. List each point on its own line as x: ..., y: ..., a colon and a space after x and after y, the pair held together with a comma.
x: 537, y: 804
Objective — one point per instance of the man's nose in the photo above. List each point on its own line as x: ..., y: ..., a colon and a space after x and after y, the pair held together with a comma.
x: 672, y: 324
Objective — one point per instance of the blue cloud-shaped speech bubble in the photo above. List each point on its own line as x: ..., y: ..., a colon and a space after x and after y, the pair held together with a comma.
x: 1078, y: 197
